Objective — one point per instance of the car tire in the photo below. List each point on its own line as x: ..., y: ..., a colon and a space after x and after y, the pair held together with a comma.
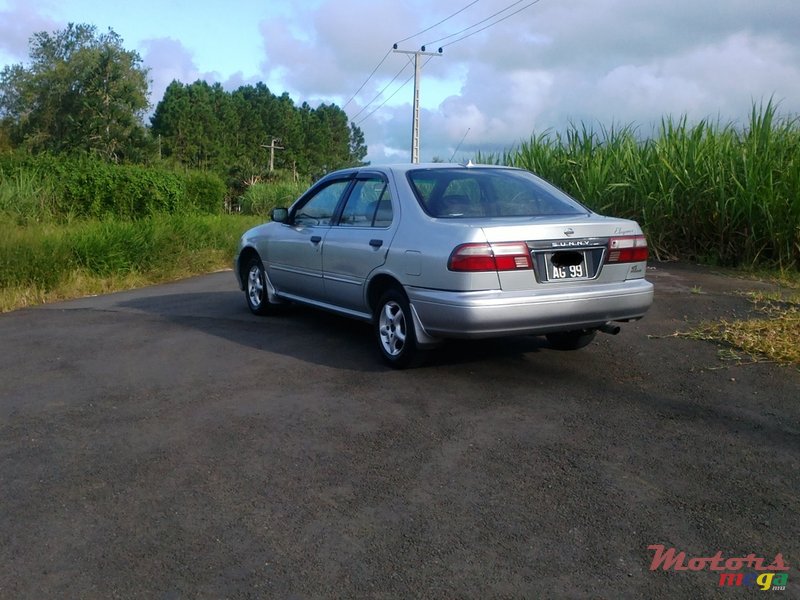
x: 255, y: 288
x: 394, y: 330
x: 571, y: 340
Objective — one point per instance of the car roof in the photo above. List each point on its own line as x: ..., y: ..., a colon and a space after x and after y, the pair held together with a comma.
x: 402, y: 168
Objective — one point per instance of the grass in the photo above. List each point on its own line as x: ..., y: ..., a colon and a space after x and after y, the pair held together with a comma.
x: 722, y: 194
x: 27, y: 196
x: 47, y: 253
x: 261, y: 198
x: 55, y: 261
x: 773, y: 334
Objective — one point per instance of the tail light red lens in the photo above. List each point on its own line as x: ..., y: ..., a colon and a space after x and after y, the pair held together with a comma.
x: 630, y: 248
x: 509, y: 256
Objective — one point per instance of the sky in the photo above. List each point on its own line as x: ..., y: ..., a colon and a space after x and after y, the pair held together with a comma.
x: 555, y: 62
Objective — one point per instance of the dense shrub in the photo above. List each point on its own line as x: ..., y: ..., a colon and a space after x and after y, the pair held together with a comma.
x: 46, y: 255
x: 205, y: 191
x: 90, y: 187
x: 94, y: 188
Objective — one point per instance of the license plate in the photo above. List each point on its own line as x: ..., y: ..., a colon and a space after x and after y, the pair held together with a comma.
x: 562, y: 272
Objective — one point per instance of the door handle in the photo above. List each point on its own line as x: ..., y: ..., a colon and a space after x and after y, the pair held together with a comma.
x: 376, y: 243
x: 316, y: 239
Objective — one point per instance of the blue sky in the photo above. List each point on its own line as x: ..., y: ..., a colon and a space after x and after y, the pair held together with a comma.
x: 555, y: 62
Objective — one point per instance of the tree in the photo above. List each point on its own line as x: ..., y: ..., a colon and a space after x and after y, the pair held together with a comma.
x: 196, y: 123
x: 81, y: 92
x: 358, y: 149
x: 203, y: 126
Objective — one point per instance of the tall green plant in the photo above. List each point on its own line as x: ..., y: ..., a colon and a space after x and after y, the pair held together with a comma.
x: 27, y: 196
x: 720, y: 193
x: 261, y: 198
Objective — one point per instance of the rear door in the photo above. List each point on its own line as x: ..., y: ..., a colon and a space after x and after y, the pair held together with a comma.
x: 358, y: 242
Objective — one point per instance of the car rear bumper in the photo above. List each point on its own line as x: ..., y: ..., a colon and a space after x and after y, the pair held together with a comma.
x: 497, y: 313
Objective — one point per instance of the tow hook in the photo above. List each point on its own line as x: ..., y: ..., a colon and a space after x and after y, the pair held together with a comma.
x: 609, y: 328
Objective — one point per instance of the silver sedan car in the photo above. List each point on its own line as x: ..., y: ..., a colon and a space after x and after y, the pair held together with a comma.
x: 438, y: 251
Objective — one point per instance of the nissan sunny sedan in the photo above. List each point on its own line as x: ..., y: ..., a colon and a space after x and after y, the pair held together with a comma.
x: 440, y: 251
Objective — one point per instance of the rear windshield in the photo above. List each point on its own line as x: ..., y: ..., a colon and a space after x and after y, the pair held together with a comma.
x: 467, y: 193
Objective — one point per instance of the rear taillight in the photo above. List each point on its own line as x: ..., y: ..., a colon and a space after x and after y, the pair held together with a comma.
x: 631, y: 248
x: 511, y: 256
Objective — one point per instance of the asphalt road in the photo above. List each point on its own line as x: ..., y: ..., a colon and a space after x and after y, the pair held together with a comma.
x: 164, y: 443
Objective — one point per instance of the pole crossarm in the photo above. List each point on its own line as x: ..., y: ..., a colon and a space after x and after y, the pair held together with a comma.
x: 415, y: 111
x: 272, y: 147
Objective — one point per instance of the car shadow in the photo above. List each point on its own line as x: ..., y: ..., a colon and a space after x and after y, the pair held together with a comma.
x: 308, y: 334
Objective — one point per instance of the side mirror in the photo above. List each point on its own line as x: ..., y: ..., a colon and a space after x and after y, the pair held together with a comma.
x: 280, y: 215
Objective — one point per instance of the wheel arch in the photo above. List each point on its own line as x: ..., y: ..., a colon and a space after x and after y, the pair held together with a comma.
x: 377, y: 287
x: 245, y: 256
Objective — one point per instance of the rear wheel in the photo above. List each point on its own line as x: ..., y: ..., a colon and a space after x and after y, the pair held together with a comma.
x: 256, y: 288
x: 394, y: 330
x: 571, y: 340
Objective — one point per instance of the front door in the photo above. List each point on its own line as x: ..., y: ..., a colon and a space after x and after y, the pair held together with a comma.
x: 294, y: 259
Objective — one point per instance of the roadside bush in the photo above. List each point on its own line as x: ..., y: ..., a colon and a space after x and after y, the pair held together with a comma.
x: 205, y: 191
x: 94, y: 188
x: 46, y: 186
x: 44, y: 256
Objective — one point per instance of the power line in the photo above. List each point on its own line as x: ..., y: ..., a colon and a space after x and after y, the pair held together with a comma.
x: 490, y: 24
x: 368, y: 104
x: 378, y: 66
x: 388, y: 52
x: 405, y: 83
x: 437, y: 24
x: 447, y: 37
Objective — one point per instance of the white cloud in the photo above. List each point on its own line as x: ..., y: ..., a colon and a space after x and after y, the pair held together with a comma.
x: 168, y: 60
x: 328, y: 51
x: 716, y: 79
x: 18, y: 22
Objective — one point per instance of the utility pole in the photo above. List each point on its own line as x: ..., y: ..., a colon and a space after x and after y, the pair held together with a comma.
x: 415, y: 117
x: 272, y: 147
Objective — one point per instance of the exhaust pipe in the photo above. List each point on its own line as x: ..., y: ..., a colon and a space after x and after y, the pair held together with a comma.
x: 609, y: 328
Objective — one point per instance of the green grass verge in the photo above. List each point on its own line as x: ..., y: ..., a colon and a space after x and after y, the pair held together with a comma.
x: 51, y: 261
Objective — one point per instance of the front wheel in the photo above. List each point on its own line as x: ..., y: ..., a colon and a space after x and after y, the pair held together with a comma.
x: 571, y: 340
x: 394, y: 330
x: 256, y: 288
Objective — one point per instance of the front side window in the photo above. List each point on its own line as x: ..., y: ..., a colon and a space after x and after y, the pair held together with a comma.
x: 369, y: 205
x: 319, y: 209
x: 486, y: 193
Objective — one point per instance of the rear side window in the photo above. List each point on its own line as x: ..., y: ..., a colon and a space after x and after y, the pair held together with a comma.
x: 369, y: 205
x: 485, y: 193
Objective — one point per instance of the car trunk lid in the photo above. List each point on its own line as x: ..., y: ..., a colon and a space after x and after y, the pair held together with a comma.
x: 571, y: 251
